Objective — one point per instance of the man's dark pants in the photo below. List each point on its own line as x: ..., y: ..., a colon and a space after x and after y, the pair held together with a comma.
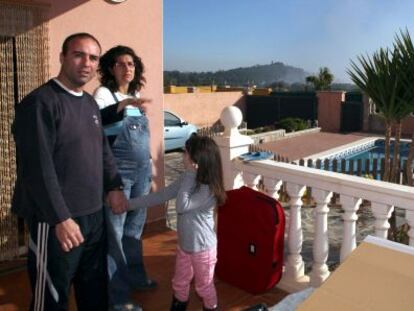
x: 84, y: 266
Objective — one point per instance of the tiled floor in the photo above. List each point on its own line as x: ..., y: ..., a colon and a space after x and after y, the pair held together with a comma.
x: 159, y: 249
x: 305, y: 145
x: 173, y: 167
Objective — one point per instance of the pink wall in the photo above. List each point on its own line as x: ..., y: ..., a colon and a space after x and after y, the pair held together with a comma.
x: 374, y: 123
x: 202, y: 109
x: 377, y: 125
x: 137, y: 24
x: 329, y: 110
x: 408, y: 126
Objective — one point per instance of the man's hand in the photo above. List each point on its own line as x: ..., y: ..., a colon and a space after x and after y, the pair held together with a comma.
x: 117, y: 201
x: 68, y: 234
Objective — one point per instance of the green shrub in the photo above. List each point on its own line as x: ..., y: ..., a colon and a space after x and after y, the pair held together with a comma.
x: 247, y: 132
x: 261, y: 129
x: 293, y: 124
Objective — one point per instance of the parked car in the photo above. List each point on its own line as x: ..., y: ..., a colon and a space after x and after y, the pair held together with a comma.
x: 176, y: 131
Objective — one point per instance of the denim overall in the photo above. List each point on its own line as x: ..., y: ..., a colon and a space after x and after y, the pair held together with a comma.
x: 125, y: 261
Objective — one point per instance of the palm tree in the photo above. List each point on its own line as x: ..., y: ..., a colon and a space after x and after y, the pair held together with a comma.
x: 378, y: 78
x: 322, y: 81
x: 404, y: 45
x: 387, y: 78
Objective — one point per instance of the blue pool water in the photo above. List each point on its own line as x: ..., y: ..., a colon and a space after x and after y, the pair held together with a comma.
x: 370, y: 152
x: 377, y: 151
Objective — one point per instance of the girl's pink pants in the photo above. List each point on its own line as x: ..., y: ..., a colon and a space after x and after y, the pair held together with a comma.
x: 200, y: 266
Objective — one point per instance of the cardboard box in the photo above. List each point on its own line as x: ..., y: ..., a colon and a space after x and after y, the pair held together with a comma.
x: 378, y: 275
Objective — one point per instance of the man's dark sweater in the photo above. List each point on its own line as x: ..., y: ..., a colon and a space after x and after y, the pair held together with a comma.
x: 64, y: 160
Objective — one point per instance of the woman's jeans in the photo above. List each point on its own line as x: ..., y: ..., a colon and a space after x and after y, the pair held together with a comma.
x: 125, y: 261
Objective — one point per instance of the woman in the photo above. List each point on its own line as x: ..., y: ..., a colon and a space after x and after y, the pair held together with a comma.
x: 125, y: 124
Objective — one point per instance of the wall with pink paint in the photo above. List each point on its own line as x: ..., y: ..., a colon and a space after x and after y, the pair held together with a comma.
x: 202, y: 109
x: 377, y: 125
x: 329, y: 110
x: 137, y: 24
x: 374, y: 123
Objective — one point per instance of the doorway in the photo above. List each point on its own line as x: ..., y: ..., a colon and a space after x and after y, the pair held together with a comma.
x: 23, y: 66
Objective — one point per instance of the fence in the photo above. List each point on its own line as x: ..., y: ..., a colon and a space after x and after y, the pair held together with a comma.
x: 267, y: 110
x: 276, y: 157
x: 217, y: 129
x: 210, y: 131
x: 373, y: 169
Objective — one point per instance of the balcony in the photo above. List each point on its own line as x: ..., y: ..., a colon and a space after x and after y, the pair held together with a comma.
x: 351, y: 189
x: 159, y: 245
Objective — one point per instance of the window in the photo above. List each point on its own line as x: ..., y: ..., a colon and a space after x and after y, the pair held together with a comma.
x: 171, y: 120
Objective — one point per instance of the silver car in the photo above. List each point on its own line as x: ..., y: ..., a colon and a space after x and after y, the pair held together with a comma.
x: 176, y: 131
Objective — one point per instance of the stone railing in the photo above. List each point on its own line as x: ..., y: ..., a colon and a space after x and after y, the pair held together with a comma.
x: 260, y: 138
x: 383, y: 197
x: 281, y: 134
x: 268, y: 136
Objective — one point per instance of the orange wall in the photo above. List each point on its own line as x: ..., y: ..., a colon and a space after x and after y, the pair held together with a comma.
x: 202, y: 109
x: 329, y: 110
x: 134, y: 23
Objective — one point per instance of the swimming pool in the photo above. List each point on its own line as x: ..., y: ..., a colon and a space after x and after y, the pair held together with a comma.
x: 364, y: 158
x: 377, y: 151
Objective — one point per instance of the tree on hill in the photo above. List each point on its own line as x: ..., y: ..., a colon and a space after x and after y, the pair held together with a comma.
x: 279, y: 86
x: 322, y: 81
x: 260, y: 75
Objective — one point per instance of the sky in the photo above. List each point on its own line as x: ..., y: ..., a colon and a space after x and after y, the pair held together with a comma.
x: 211, y: 35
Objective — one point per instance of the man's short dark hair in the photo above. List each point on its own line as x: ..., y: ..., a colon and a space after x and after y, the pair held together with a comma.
x: 79, y: 35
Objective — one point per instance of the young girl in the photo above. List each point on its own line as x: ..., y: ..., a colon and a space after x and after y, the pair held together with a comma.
x: 198, y: 190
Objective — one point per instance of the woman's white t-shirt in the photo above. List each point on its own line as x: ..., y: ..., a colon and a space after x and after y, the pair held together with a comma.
x: 104, y: 98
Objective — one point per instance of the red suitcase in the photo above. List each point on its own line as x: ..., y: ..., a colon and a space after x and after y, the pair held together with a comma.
x: 250, y: 233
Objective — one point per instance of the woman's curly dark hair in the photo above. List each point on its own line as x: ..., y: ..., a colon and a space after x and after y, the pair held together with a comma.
x: 107, y: 62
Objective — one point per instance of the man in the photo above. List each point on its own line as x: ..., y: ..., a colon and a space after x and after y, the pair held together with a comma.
x: 64, y: 166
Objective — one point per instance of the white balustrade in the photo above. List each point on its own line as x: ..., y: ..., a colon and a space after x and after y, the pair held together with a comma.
x: 409, y: 216
x: 238, y: 179
x: 272, y: 187
x: 251, y: 180
x: 320, y: 269
x: 382, y: 212
x: 294, y: 265
x: 352, y: 189
x: 350, y: 205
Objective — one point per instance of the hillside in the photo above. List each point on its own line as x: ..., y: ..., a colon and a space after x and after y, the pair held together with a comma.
x: 259, y: 75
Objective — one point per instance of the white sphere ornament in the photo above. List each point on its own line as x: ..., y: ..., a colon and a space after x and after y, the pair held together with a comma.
x: 231, y: 117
